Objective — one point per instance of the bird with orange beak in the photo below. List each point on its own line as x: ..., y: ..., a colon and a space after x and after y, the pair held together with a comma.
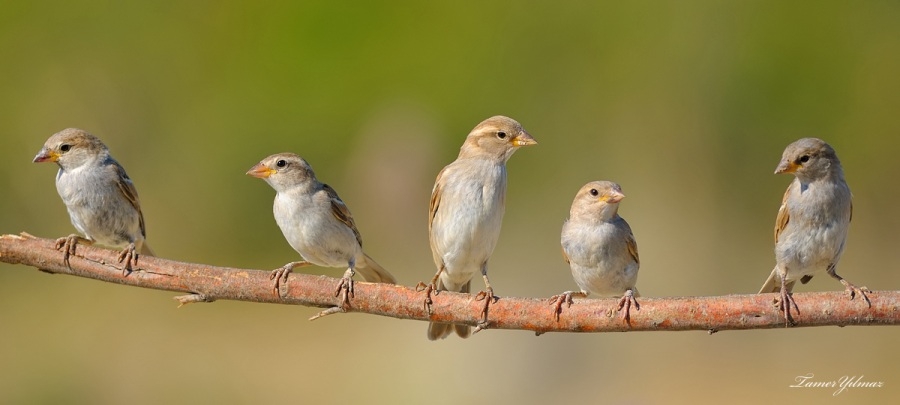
x: 466, y: 211
x: 600, y: 248
x: 812, y: 223
x: 316, y: 223
x: 102, y: 201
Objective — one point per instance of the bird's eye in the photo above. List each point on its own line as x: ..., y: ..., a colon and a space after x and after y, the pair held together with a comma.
x: 501, y: 135
x: 65, y: 147
x: 281, y: 163
x: 804, y: 158
x: 594, y: 192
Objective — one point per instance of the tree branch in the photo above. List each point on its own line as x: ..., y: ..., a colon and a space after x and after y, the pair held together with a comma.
x: 205, y: 283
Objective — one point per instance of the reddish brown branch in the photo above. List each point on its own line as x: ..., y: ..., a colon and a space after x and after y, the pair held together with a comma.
x: 205, y: 283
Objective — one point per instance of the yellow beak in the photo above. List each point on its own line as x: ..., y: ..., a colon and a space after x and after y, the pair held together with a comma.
x: 786, y: 166
x: 46, y: 155
x: 523, y: 139
x: 260, y: 171
x: 613, y: 197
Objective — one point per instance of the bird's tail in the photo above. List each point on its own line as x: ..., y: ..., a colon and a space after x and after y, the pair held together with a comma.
x: 373, y: 272
x: 145, y: 249
x: 438, y: 330
x: 773, y: 284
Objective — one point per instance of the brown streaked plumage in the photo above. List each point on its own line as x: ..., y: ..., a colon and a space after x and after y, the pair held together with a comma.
x: 101, y: 199
x: 600, y: 248
x: 316, y: 223
x: 466, y: 211
x: 812, y: 222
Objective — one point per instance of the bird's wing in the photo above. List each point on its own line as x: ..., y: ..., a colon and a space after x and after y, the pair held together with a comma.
x: 631, y: 244
x: 435, y: 198
x: 341, y: 212
x: 565, y: 255
x: 783, y: 217
x: 126, y: 187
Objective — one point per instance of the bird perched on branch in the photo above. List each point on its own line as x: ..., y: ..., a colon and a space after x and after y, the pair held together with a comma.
x: 466, y: 212
x: 316, y: 223
x: 102, y: 201
x: 600, y: 248
x: 812, y: 222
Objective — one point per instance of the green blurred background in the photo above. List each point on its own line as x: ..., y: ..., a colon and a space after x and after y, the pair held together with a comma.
x: 687, y: 105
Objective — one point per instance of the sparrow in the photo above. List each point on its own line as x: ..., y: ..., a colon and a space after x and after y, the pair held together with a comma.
x: 466, y: 211
x: 600, y: 248
x: 316, y: 223
x: 812, y: 222
x: 102, y: 201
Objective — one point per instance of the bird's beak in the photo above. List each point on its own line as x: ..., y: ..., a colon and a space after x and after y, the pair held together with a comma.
x: 786, y: 166
x: 523, y: 139
x: 260, y: 171
x: 614, y: 197
x: 46, y: 155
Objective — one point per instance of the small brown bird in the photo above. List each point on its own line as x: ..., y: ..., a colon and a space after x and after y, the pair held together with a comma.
x: 102, y: 201
x: 600, y: 248
x: 812, y: 222
x: 466, y: 211
x: 316, y: 223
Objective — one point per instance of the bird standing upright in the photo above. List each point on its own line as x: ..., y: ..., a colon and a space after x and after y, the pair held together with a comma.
x: 466, y: 211
x: 102, y: 201
x: 812, y: 222
x: 600, y: 248
x: 316, y: 223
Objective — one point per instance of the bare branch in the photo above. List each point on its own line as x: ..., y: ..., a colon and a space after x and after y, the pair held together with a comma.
x: 205, y: 283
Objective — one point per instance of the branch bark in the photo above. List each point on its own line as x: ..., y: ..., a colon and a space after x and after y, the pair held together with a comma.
x: 204, y: 283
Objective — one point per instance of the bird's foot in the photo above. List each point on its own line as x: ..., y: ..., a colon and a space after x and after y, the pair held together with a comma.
x: 852, y: 290
x: 345, y: 289
x: 280, y: 276
x: 558, y: 300
x: 129, y: 257
x: 67, y: 245
x: 429, y: 289
x: 785, y: 303
x: 626, y: 302
x: 488, y: 296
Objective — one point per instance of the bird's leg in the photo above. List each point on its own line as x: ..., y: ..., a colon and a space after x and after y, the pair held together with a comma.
x: 345, y: 288
x: 851, y: 289
x: 67, y: 245
x: 487, y: 295
x: 786, y: 301
x: 625, y: 302
x: 429, y: 288
x: 128, y: 256
x: 280, y: 275
x: 565, y: 298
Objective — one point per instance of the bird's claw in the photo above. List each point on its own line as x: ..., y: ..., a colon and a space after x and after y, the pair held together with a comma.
x: 557, y: 302
x: 626, y: 302
x: 280, y: 276
x: 128, y: 256
x: 429, y: 289
x: 852, y: 290
x: 481, y: 326
x: 67, y: 245
x: 487, y: 295
x: 785, y: 303
x: 345, y: 289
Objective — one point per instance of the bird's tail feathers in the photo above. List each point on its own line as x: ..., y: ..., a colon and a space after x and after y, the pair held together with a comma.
x: 438, y: 330
x: 146, y: 251
x: 773, y: 283
x: 372, y: 272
